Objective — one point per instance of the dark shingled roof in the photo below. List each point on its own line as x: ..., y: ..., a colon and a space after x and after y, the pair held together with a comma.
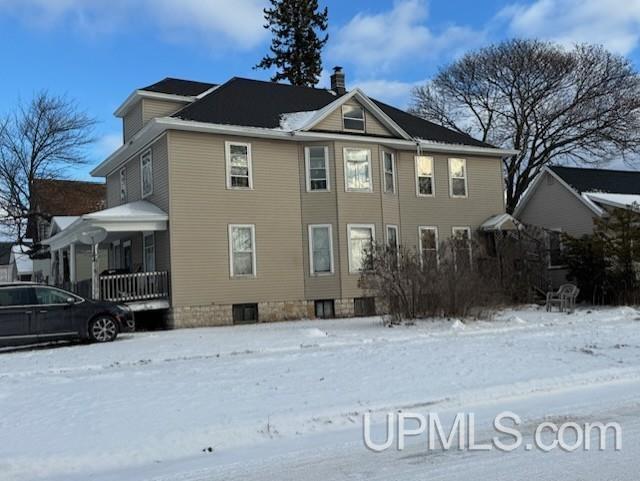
x: 255, y: 103
x: 176, y: 86
x: 600, y: 180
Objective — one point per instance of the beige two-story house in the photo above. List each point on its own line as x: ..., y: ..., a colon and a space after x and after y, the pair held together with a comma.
x: 255, y: 199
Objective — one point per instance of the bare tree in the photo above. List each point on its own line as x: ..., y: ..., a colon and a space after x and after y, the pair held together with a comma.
x: 40, y: 139
x: 552, y: 104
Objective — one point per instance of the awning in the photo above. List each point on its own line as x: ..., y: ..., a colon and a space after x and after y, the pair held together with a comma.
x: 500, y: 222
x: 139, y: 216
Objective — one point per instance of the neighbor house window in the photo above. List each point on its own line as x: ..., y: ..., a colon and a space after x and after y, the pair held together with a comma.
x: 458, y: 177
x: 317, y: 168
x: 462, y: 247
x: 239, y: 170
x: 361, y: 238
x: 554, y: 243
x: 389, y: 169
x: 428, y: 246
x: 357, y: 170
x: 424, y: 175
x: 242, y: 240
x: 149, y: 250
x: 320, y: 249
x: 123, y: 184
x: 146, y: 168
x: 353, y: 117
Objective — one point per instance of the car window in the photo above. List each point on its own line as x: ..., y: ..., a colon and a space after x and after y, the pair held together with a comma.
x: 48, y: 295
x: 15, y: 296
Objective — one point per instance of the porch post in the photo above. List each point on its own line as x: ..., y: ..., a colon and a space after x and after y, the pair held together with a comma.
x: 72, y: 264
x: 95, y: 279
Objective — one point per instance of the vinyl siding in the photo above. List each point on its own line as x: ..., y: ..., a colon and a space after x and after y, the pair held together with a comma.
x: 333, y: 122
x: 553, y: 206
x: 152, y: 108
x: 202, y: 208
x: 132, y: 122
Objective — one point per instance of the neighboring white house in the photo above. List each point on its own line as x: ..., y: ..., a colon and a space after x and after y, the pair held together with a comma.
x: 21, y: 263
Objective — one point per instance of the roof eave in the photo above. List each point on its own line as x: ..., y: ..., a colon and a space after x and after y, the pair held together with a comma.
x: 137, y: 95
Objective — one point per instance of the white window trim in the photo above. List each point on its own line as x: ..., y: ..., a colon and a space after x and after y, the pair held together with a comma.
x: 386, y: 233
x: 227, y: 154
x: 144, y: 250
x: 307, y: 161
x: 434, y: 229
x: 433, y: 176
x: 384, y: 172
x: 466, y: 175
x: 364, y: 118
x: 466, y: 229
x: 123, y: 185
x: 344, y: 162
x: 311, y: 227
x: 253, y: 247
x: 373, y: 237
x: 142, y: 156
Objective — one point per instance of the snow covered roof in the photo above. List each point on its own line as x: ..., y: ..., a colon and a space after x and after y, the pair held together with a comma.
x: 500, y: 222
x: 623, y: 201
x: 139, y: 210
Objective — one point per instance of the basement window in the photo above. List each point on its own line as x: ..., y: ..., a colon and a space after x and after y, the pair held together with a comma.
x: 325, y: 309
x: 364, y: 306
x: 245, y: 313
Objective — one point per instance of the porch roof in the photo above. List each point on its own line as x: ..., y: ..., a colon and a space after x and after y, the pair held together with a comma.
x: 139, y: 216
x: 500, y: 222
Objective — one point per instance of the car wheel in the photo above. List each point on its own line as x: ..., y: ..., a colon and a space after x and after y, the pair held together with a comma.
x: 103, y: 329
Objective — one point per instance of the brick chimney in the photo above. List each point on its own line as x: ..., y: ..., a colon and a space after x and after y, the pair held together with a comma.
x: 337, y: 81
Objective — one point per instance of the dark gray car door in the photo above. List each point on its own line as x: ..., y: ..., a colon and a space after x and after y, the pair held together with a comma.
x: 16, y: 313
x: 53, y: 312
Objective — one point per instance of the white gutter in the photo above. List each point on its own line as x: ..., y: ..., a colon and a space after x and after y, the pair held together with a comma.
x: 158, y: 125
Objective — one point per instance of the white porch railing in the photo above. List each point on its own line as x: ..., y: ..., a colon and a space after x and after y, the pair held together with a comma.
x: 139, y: 286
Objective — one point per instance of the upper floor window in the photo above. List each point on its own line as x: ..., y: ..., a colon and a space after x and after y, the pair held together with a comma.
x: 146, y: 176
x: 357, y: 170
x: 320, y: 249
x: 389, y: 169
x: 458, y: 177
x: 424, y: 175
x: 361, y: 238
x: 317, y: 168
x: 239, y: 172
x: 123, y: 184
x: 428, y: 246
x: 242, y: 241
x: 353, y: 117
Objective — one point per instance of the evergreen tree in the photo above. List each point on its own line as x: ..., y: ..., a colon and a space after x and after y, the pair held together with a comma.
x: 296, y: 44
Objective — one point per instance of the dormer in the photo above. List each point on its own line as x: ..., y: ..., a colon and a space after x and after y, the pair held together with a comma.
x: 160, y: 99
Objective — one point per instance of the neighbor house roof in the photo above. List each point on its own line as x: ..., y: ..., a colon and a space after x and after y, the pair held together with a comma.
x: 599, y: 180
x: 68, y: 197
x: 176, y: 86
x: 256, y: 103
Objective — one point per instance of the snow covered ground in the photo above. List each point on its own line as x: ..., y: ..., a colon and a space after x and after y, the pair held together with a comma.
x: 285, y: 401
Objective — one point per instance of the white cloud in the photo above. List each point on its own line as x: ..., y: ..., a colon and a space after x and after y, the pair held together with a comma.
x: 383, y: 40
x: 612, y: 23
x: 237, y: 24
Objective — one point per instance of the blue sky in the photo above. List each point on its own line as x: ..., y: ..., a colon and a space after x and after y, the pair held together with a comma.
x: 98, y: 51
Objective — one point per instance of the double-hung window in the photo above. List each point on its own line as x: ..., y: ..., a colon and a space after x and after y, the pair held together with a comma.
x: 242, y: 254
x: 239, y: 168
x: 389, y: 170
x: 353, y: 118
x: 146, y: 177
x: 393, y: 244
x: 462, y: 247
x: 149, y: 249
x: 317, y: 168
x: 123, y: 184
x: 424, y: 176
x: 357, y: 170
x: 361, y: 238
x: 428, y: 246
x: 320, y: 249
x: 458, y: 177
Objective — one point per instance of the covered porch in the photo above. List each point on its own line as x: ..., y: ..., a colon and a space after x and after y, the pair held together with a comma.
x: 118, y: 254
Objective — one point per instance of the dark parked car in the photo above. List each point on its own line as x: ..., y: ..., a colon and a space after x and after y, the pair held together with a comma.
x: 32, y: 313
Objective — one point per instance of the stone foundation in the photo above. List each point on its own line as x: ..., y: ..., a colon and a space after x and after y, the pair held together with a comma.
x: 274, y: 311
